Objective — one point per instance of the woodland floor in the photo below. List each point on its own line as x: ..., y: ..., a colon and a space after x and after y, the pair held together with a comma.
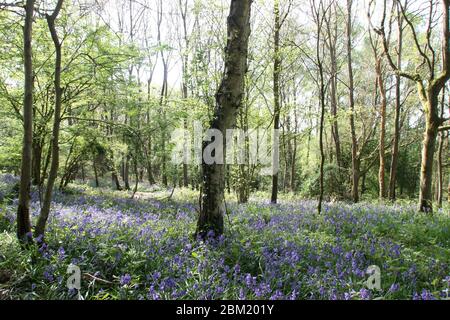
x: 144, y: 249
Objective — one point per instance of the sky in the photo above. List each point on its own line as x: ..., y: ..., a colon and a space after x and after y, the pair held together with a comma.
x: 145, y: 11
x: 113, y: 8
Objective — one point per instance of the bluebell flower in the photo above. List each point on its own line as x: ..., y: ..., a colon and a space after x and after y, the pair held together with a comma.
x: 394, y: 288
x: 278, y: 295
x: 152, y: 294
x: 125, y: 279
x: 365, y: 294
x: 241, y: 294
x: 61, y: 253
x: 426, y: 295
x: 156, y: 275
x: 48, y: 276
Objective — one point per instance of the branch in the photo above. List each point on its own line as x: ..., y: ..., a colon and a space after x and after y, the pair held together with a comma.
x: 381, y: 32
x: 416, y: 38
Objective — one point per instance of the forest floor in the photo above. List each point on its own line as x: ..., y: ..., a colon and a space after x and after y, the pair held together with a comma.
x: 144, y: 249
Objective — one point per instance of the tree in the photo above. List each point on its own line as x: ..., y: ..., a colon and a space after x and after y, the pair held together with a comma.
x: 23, y: 209
x: 228, y: 101
x: 428, y: 89
x: 398, y: 105
x: 276, y: 92
x: 42, y: 220
x: 356, y: 163
x: 163, y: 94
x: 278, y: 23
x: 319, y: 12
x: 440, y: 164
x: 382, y: 114
x: 332, y: 39
x: 183, y: 7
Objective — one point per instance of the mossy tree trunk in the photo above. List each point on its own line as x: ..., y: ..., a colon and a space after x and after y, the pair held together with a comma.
x: 228, y: 101
x: 23, y: 209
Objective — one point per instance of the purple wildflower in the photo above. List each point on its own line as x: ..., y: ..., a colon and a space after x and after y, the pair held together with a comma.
x: 125, y: 280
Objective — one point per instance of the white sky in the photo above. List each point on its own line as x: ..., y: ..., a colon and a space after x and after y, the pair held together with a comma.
x: 112, y: 9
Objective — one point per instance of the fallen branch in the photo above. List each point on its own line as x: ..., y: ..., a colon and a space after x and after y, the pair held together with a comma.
x: 92, y: 277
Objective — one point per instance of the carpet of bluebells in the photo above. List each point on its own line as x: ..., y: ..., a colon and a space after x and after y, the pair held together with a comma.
x: 145, y: 249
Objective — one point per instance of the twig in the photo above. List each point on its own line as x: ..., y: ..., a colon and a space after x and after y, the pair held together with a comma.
x: 96, y: 278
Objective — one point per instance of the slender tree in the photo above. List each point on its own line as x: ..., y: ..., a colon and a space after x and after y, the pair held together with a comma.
x: 440, y: 160
x: 183, y: 7
x: 276, y: 91
x: 398, y: 106
x: 319, y: 16
x: 277, y: 65
x: 332, y: 39
x: 382, y: 113
x: 351, y: 89
x: 163, y: 94
x: 228, y: 101
x: 382, y: 140
x: 23, y: 209
x: 42, y: 220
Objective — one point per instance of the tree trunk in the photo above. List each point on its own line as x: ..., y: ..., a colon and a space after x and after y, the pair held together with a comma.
x: 293, y: 166
x: 136, y: 174
x: 186, y: 150
x: 334, y: 113
x: 363, y: 184
x: 151, y: 179
x: 448, y: 157
x: 148, y: 150
x: 126, y: 172
x: 43, y: 217
x: 395, y: 146
x: 381, y: 178
x: 440, y: 171
x: 116, y: 181
x: 243, y: 186
x: 321, y: 126
x: 294, y: 154
x: 286, y: 157
x: 426, y: 172
x: 185, y: 62
x: 355, y: 157
x: 228, y: 101
x: 37, y: 161
x: 23, y: 209
x: 244, y: 172
x: 322, y: 92
x: 332, y: 32
x: 430, y: 102
x: 276, y: 95
x: 97, y: 183
x: 163, y: 99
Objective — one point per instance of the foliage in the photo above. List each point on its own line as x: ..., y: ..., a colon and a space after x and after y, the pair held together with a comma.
x: 143, y: 249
